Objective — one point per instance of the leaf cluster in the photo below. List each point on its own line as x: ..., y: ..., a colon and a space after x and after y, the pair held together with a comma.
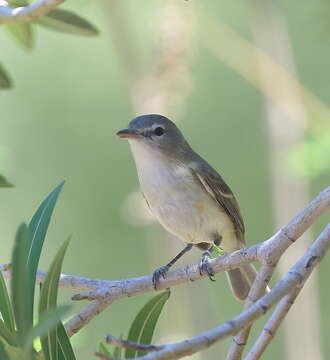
x: 18, y: 330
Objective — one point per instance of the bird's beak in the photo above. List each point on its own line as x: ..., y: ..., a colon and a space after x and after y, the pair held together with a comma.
x: 128, y: 133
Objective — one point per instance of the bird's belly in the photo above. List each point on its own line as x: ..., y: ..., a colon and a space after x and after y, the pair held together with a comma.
x: 192, y: 215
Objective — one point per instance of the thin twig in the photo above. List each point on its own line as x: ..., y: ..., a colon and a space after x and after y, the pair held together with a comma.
x: 132, y: 345
x: 26, y: 13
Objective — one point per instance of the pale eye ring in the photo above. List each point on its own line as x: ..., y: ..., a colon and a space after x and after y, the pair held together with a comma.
x: 159, y: 131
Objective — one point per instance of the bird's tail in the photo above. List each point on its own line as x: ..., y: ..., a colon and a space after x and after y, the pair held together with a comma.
x: 241, y: 279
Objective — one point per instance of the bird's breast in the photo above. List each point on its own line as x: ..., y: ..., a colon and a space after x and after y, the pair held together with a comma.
x: 179, y: 201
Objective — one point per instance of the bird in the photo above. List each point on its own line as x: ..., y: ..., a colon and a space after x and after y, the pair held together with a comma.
x: 187, y: 196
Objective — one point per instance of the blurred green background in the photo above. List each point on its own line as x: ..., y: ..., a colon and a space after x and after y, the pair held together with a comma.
x: 72, y: 94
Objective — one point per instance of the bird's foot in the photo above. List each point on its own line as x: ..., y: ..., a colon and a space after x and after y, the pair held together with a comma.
x: 160, y: 272
x: 205, y: 267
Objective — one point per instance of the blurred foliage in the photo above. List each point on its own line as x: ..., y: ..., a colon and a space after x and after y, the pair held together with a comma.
x: 311, y: 158
x: 4, y: 183
x: 23, y: 34
x: 67, y: 22
x: 58, y: 19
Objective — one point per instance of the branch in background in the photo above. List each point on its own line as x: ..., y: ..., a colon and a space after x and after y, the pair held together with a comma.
x: 296, y: 277
x: 26, y: 13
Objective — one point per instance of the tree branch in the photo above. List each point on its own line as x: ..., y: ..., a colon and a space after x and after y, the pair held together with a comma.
x: 270, y: 257
x: 271, y: 326
x: 260, y: 284
x: 296, y: 276
x: 26, y: 13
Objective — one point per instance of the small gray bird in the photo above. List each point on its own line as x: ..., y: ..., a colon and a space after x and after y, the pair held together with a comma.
x: 187, y: 196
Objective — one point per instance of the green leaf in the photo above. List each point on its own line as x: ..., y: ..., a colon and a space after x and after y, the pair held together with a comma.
x: 7, y: 335
x: 48, y: 299
x: 143, y: 326
x: 64, y: 345
x: 67, y: 22
x: 37, y: 232
x: 20, y: 284
x: 6, y: 309
x: 46, y: 322
x: 5, y: 83
x: 23, y: 33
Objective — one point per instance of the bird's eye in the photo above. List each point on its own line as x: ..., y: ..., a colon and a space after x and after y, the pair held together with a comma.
x: 159, y: 131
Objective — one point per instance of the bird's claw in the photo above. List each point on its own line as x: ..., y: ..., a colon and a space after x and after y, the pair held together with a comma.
x: 160, y: 272
x: 205, y: 267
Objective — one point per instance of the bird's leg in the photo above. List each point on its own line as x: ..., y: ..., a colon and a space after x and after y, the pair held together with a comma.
x: 205, y: 267
x: 161, y: 272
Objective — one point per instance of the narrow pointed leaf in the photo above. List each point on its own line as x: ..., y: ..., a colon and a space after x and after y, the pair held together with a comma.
x: 3, y: 181
x: 67, y: 22
x: 7, y: 335
x: 48, y: 299
x: 23, y: 34
x: 64, y: 344
x: 46, y: 322
x: 37, y: 232
x: 20, y: 284
x: 6, y: 309
x: 143, y: 326
x: 5, y: 83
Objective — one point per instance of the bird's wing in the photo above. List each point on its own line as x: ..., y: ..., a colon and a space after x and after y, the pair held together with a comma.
x: 221, y: 193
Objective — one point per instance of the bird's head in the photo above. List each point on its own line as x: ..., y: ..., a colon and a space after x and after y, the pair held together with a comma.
x: 156, y: 133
